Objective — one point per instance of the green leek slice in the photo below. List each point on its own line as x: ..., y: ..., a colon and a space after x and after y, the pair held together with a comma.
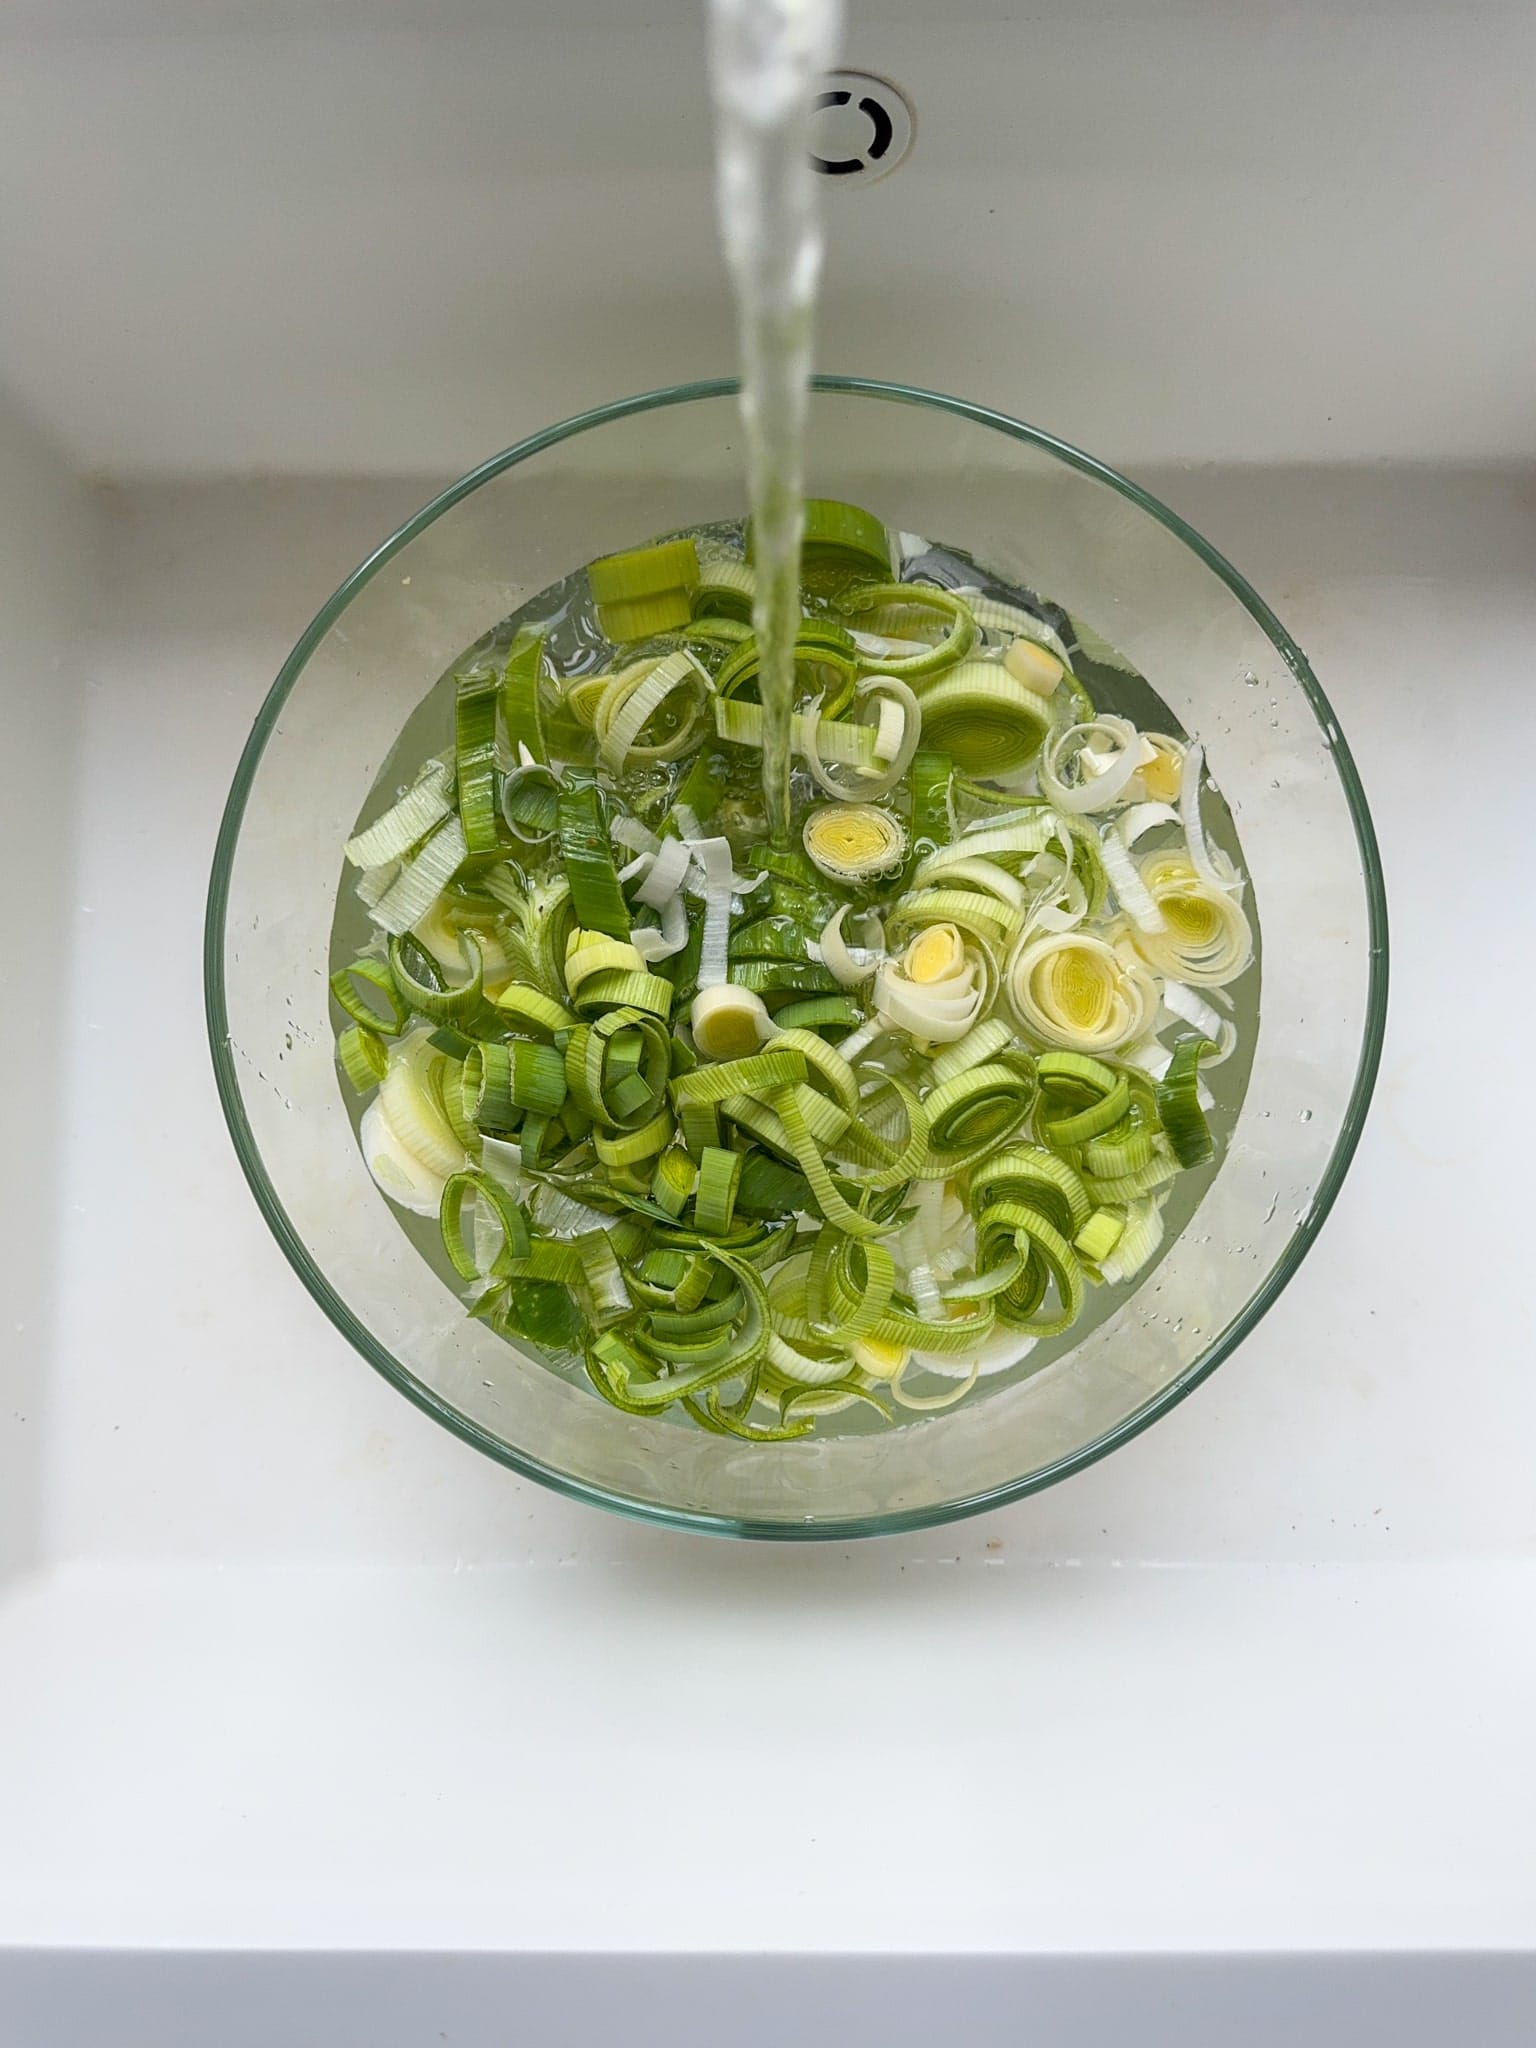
x: 475, y: 698
x: 585, y: 849
x: 522, y: 710
x: 1178, y: 1103
x: 986, y: 722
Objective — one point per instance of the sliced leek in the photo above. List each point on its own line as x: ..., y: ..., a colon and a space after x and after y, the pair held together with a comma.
x: 764, y: 1133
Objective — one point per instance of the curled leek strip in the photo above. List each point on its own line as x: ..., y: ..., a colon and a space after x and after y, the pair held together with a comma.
x: 988, y: 723
x: 1029, y: 830
x: 931, y: 1403
x: 497, y: 1207
x: 1074, y: 990
x: 804, y: 1366
x: 665, y: 875
x: 377, y: 976
x: 838, y: 1212
x: 815, y: 733
x: 424, y: 992
x: 1046, y: 1262
x: 974, y: 1113
x: 897, y: 726
x: 714, y: 860
x: 1131, y: 892
x: 825, y: 1068
x: 1002, y: 622
x: 531, y: 1013
x: 618, y: 1068
x: 668, y: 692
x: 982, y: 916
x: 425, y: 804
x: 1191, y: 1009
x: 726, y: 586
x: 411, y: 1119
x: 1194, y: 826
x: 849, y: 966
x: 898, y: 607
x: 1081, y: 1098
x: 896, y: 1161
x: 984, y: 875
x: 530, y: 803
x: 857, y: 1285
x: 1028, y: 1173
x: 653, y: 945
x: 965, y: 1326
x: 1205, y: 939
x: 1089, y: 767
x: 977, y: 1045
x: 363, y: 1057
x: 758, y: 1074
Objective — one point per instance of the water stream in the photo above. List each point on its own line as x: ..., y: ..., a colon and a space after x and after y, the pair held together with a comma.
x: 766, y: 57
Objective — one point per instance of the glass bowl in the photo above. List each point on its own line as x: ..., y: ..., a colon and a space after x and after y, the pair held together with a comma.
x: 1036, y: 512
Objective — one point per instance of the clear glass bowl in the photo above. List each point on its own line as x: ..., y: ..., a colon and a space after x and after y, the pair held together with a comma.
x: 1037, y: 512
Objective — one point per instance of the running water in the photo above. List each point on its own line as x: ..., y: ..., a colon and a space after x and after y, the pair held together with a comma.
x: 766, y: 57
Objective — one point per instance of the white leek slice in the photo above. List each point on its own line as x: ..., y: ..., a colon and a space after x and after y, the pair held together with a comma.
x: 396, y: 1171
x: 932, y: 990
x: 634, y: 697
x: 1077, y: 991
x: 410, y: 1112
x: 854, y: 842
x: 1034, y: 666
x: 729, y: 1023
x: 1206, y: 939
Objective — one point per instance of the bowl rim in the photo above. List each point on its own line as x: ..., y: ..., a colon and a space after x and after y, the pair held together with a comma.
x: 1302, y: 1238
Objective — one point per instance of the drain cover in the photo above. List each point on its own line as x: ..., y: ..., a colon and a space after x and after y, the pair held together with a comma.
x: 861, y: 126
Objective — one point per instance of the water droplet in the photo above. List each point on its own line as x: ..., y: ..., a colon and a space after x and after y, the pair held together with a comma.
x: 1306, y: 1116
x: 1251, y: 680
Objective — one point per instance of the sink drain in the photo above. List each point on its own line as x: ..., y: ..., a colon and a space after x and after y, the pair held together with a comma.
x: 861, y: 126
